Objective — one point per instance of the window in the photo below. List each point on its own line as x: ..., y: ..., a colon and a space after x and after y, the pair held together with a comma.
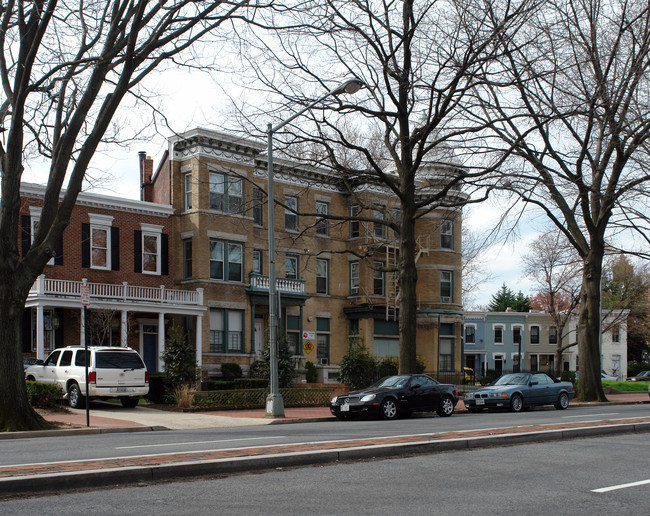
x: 35, y: 219
x: 354, y: 278
x: 534, y: 334
x: 498, y: 334
x: 378, y: 279
x: 354, y: 223
x: 226, y: 193
x: 322, y: 340
x: 446, y: 354
x: 447, y: 234
x: 100, y: 243
x: 226, y: 331
x: 446, y: 282
x: 187, y: 191
x: 516, y: 335
x: 379, y: 227
x: 257, y: 262
x: 616, y: 334
x: 552, y: 335
x: 49, y: 323
x: 187, y: 258
x: 150, y: 253
x: 291, y: 214
x: 322, y: 224
x: 226, y: 260
x: 293, y: 334
x: 322, y: 276
x: 291, y: 266
x: 257, y: 206
x: 470, y: 334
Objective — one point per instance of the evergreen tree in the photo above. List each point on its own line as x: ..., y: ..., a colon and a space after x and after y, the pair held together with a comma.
x: 506, y: 298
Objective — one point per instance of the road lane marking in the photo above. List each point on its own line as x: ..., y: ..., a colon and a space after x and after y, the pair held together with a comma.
x: 592, y: 415
x: 621, y: 486
x: 198, y: 442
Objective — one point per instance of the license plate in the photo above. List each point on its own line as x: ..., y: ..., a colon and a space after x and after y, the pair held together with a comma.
x: 345, y: 408
x: 479, y: 401
x: 122, y: 389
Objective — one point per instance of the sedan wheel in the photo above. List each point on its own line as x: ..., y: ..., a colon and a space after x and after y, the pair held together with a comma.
x: 446, y: 407
x: 517, y: 403
x: 562, y: 401
x: 388, y: 409
x: 75, y: 398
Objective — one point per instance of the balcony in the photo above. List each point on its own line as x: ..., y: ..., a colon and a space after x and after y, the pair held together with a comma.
x: 283, y: 285
x: 115, y: 293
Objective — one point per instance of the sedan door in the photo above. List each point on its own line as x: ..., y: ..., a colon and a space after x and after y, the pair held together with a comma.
x: 426, y: 396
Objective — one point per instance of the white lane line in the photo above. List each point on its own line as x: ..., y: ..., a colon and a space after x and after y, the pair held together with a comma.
x: 198, y: 442
x: 591, y: 415
x: 621, y: 486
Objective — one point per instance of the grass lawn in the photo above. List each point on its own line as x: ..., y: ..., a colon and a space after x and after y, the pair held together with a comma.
x: 627, y: 386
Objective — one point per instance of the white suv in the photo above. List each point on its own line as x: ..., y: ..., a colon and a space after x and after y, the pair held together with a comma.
x: 113, y: 372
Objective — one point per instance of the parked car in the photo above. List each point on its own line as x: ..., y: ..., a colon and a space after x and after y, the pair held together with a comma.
x: 113, y: 372
x: 607, y: 377
x: 519, y: 391
x: 395, y: 396
x: 643, y: 376
x: 29, y: 361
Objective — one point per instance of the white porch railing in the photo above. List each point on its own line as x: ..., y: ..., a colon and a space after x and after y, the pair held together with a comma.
x: 116, y: 292
x: 294, y: 286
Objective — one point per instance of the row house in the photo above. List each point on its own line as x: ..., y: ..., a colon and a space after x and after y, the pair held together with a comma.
x: 216, y: 185
x: 115, y: 260
x: 501, y: 342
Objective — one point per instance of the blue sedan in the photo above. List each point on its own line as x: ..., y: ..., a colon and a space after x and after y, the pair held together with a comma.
x: 519, y: 391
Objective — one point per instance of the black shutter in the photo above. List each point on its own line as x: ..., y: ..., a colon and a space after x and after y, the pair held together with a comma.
x: 115, y: 249
x: 25, y: 233
x: 137, y: 251
x: 58, y: 257
x: 85, y: 245
x: 164, y: 258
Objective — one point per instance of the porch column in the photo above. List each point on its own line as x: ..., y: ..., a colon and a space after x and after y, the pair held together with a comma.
x: 161, y: 341
x: 40, y: 332
x: 124, y: 330
x: 199, y: 341
x: 252, y: 329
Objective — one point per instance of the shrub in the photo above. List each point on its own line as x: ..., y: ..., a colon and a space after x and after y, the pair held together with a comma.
x: 568, y: 376
x: 386, y: 366
x: 357, y: 366
x: 230, y: 371
x: 634, y: 368
x: 44, y: 395
x: 179, y: 357
x: 286, y: 365
x: 312, y: 372
x: 484, y: 380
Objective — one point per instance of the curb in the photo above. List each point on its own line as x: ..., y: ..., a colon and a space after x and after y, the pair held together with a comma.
x: 121, y: 476
x: 79, y: 431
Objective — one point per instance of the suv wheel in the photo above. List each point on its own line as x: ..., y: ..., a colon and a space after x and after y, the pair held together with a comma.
x: 75, y: 398
x: 129, y: 402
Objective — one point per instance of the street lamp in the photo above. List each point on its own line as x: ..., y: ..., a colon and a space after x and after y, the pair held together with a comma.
x: 274, y: 403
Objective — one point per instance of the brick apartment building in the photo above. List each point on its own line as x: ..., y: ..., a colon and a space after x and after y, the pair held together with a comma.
x: 120, y: 250
x: 217, y: 224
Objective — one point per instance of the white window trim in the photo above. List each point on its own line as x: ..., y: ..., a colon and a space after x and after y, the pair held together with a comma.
x: 469, y: 325
x: 152, y: 230
x: 539, y: 335
x: 35, y: 216
x: 503, y: 332
x: 107, y: 267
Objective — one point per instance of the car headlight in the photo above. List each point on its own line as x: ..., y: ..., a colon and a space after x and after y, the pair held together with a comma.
x: 334, y: 400
x: 499, y: 395
x: 367, y: 397
x: 469, y: 395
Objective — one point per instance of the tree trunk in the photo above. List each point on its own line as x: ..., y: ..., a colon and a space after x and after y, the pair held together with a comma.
x: 16, y: 414
x: 589, y: 383
x: 408, y: 278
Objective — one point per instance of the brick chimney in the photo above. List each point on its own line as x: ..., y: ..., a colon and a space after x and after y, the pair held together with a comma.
x: 146, y: 173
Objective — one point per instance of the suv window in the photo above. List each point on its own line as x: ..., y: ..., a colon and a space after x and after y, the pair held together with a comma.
x: 118, y: 360
x: 66, y: 358
x: 52, y: 359
x: 79, y: 358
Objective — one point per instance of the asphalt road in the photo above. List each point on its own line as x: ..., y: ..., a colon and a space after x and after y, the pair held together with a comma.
x: 593, y: 476
x: 85, y: 447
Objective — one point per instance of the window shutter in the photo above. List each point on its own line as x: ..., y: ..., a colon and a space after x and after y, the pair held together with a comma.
x: 137, y: 251
x: 115, y: 249
x: 164, y: 251
x: 58, y: 257
x: 85, y: 245
x: 25, y: 233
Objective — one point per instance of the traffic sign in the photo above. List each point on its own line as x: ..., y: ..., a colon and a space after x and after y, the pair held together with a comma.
x: 308, y: 338
x: 85, y: 295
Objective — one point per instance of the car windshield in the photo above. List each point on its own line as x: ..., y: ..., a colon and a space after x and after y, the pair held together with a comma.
x: 512, y: 379
x: 392, y: 381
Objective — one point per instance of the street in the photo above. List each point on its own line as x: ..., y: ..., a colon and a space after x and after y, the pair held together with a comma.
x: 552, y: 478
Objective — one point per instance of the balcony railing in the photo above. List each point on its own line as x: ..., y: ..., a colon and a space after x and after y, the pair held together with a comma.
x: 287, y: 285
x: 123, y: 292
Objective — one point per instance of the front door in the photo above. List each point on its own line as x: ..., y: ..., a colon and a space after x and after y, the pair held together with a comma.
x: 498, y: 365
x: 150, y: 347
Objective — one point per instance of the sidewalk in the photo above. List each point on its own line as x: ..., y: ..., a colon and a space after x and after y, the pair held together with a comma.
x: 145, y: 418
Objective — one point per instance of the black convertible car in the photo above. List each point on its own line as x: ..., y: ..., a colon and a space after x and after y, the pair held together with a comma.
x: 394, y: 396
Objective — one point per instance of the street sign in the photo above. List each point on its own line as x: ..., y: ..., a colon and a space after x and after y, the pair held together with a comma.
x: 85, y: 295
x: 308, y: 338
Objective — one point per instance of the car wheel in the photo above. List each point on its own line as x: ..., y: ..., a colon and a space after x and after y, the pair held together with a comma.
x: 75, y: 398
x: 562, y: 401
x: 388, y: 409
x: 129, y: 402
x: 446, y: 407
x: 30, y: 378
x: 516, y: 403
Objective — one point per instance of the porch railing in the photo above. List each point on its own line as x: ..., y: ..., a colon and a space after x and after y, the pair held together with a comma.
x: 294, y: 286
x: 116, y: 292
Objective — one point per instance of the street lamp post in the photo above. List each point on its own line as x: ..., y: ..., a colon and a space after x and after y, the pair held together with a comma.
x: 274, y: 403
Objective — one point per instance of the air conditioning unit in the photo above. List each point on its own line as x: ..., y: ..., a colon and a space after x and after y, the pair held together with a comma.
x: 323, y: 361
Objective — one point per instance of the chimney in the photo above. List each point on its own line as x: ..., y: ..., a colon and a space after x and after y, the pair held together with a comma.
x: 146, y: 173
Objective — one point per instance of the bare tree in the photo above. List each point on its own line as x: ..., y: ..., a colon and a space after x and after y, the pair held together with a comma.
x: 65, y: 68
x: 418, y: 60
x: 578, y: 120
x: 556, y: 268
